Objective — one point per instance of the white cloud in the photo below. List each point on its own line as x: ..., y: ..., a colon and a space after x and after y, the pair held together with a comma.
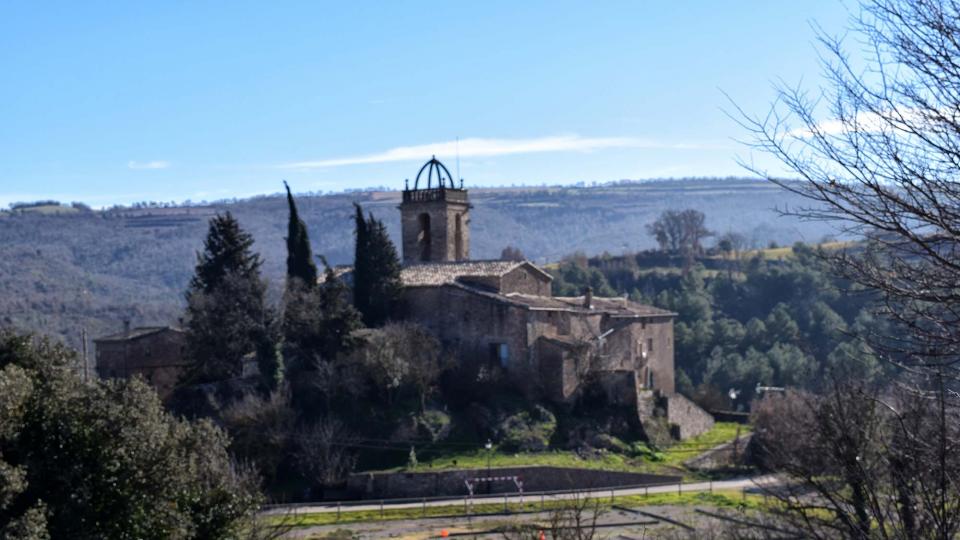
x: 865, y: 122
x: 477, y: 147
x: 148, y: 164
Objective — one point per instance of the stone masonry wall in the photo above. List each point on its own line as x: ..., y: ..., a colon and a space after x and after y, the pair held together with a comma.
x: 452, y: 483
x: 689, y: 419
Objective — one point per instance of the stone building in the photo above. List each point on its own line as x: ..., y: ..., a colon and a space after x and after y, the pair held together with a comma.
x: 501, y: 315
x: 156, y: 353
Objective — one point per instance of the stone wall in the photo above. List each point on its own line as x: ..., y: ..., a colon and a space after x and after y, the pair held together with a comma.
x: 445, y: 238
x: 525, y: 280
x: 157, y: 357
x: 686, y: 418
x: 452, y: 483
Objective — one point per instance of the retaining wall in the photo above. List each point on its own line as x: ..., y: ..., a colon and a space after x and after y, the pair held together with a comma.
x: 452, y: 483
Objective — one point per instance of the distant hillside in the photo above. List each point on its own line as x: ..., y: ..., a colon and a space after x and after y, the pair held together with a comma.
x: 61, y: 271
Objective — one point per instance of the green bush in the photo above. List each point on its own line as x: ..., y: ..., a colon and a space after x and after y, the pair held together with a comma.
x: 527, y: 430
x: 434, y: 425
x: 643, y: 451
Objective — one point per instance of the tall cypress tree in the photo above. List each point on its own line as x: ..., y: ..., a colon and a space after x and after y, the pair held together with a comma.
x: 361, y: 263
x: 376, y: 270
x: 227, y: 313
x: 300, y: 265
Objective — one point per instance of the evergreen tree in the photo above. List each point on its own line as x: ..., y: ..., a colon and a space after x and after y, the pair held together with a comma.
x: 103, y: 459
x: 377, y: 284
x: 339, y: 318
x: 227, y: 315
x: 361, y: 263
x: 320, y: 325
x: 300, y: 265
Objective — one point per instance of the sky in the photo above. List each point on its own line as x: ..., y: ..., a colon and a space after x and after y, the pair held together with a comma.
x: 117, y: 102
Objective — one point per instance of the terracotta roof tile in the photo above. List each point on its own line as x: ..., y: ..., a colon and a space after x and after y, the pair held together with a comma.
x: 435, y: 274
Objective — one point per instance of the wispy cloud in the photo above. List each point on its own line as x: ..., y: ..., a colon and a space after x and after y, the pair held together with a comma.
x: 478, y: 147
x: 866, y: 122
x: 137, y: 165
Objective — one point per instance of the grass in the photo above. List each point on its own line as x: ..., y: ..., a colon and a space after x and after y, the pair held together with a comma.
x: 673, y: 457
x: 722, y: 432
x: 717, y: 499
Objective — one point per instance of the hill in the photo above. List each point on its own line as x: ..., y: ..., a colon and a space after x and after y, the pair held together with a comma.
x: 61, y: 271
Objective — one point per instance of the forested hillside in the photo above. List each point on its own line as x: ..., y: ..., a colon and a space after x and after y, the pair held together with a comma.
x: 67, y: 268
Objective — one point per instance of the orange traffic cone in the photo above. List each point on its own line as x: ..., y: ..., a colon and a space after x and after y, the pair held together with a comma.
x: 543, y: 535
x: 444, y: 533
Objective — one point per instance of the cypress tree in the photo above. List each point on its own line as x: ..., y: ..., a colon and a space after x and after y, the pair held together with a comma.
x: 227, y: 313
x: 361, y: 263
x: 377, y: 284
x: 300, y: 265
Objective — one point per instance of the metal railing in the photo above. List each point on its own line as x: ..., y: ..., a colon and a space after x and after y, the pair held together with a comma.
x: 435, y: 194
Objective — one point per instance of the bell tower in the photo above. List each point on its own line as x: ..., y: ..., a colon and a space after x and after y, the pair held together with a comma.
x: 435, y: 217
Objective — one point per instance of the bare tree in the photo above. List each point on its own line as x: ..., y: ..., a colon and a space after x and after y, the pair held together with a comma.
x: 680, y: 232
x: 574, y: 519
x: 511, y: 253
x: 322, y: 452
x: 885, y: 165
x: 860, y: 463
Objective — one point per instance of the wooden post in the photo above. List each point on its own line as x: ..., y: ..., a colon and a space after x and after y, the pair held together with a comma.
x: 424, y: 506
x: 338, y: 511
x: 680, y: 487
x: 381, y: 508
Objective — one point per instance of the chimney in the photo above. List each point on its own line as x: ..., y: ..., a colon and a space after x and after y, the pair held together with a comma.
x: 588, y: 297
x: 126, y: 327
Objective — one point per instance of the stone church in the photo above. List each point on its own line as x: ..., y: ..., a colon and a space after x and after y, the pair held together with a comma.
x: 501, y: 314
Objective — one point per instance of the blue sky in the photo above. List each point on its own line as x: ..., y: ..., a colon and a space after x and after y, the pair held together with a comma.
x: 116, y: 102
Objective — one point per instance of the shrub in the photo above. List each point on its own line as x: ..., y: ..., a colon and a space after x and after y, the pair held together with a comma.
x: 528, y: 430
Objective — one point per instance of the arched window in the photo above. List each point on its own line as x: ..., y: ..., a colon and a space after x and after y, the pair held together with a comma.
x: 458, y: 238
x: 423, y: 237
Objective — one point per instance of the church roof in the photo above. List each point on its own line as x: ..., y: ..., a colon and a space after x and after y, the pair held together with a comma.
x: 136, y: 333
x: 446, y: 273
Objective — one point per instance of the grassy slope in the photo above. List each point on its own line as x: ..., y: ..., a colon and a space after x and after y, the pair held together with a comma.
x: 717, y: 499
x: 673, y: 457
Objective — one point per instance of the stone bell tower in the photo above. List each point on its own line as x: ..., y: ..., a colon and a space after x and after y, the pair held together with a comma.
x: 435, y: 217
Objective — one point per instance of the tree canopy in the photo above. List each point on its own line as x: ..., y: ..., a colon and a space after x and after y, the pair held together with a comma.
x: 104, y: 460
x: 227, y: 314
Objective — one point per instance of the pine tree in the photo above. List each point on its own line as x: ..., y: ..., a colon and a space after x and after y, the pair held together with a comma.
x: 226, y: 250
x: 227, y: 314
x: 377, y: 284
x: 300, y: 265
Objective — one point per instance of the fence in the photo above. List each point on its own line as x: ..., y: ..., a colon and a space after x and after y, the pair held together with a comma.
x: 465, y: 506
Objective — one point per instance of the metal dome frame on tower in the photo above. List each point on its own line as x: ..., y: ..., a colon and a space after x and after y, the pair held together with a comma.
x: 434, y: 166
x: 444, y: 189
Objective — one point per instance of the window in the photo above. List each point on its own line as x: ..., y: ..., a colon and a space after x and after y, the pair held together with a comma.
x: 649, y: 378
x: 649, y: 345
x: 500, y: 353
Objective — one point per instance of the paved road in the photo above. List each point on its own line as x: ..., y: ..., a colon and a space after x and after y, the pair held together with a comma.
x: 740, y: 483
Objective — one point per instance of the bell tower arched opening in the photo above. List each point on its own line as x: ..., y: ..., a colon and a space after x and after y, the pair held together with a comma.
x: 423, y: 236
